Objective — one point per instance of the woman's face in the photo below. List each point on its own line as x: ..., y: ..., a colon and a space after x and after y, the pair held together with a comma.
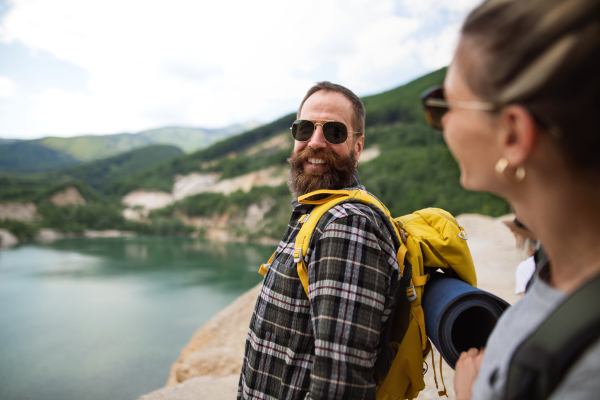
x: 470, y: 134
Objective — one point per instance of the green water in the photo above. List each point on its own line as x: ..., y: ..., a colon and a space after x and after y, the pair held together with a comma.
x: 105, y: 318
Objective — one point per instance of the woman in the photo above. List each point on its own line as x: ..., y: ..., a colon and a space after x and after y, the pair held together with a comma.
x: 528, y: 244
x: 520, y: 110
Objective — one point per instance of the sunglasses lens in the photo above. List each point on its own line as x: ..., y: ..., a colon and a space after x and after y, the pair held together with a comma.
x: 434, y: 114
x: 335, y: 132
x: 435, y: 117
x: 302, y: 130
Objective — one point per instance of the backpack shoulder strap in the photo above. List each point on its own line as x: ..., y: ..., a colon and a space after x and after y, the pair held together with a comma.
x: 541, y: 362
x: 310, y: 221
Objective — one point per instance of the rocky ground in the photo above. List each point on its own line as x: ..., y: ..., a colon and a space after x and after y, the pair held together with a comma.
x: 209, y: 365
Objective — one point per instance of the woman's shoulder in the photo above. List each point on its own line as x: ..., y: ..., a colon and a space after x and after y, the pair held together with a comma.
x: 582, y: 380
x: 514, y: 326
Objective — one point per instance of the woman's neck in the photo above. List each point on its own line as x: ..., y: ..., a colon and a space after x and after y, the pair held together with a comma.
x: 566, y: 217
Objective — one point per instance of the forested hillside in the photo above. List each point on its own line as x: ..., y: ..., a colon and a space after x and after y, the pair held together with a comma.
x: 90, y: 178
x: 412, y: 168
x: 415, y: 168
x: 99, y: 212
x: 39, y: 155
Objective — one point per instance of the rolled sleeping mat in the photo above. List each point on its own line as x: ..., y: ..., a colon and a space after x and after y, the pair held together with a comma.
x: 458, y: 316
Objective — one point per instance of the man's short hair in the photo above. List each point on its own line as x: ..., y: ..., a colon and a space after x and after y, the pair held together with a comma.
x: 358, y: 114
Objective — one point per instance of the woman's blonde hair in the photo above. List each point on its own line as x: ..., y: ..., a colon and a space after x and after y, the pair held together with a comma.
x: 545, y: 56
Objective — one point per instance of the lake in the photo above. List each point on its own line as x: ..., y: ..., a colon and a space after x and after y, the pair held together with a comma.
x: 105, y: 318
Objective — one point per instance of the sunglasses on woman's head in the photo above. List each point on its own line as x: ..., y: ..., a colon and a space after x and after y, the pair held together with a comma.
x: 436, y: 105
x: 335, y: 132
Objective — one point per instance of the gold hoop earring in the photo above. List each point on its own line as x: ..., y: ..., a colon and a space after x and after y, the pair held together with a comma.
x: 520, y: 174
x: 501, y: 166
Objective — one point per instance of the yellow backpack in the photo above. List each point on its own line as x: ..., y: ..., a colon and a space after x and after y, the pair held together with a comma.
x: 428, y: 238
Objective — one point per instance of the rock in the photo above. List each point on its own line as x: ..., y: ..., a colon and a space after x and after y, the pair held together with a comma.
x: 199, y: 388
x: 70, y: 196
x: 225, y: 334
x: 369, y: 154
x: 108, y: 233
x: 134, y: 215
x: 272, y: 176
x: 279, y: 142
x: 255, y: 214
x: 194, y: 183
x: 217, y: 349
x: 49, y: 235
x: 145, y: 200
x: 214, y: 361
x: 7, y: 239
x: 494, y: 253
x: 26, y: 212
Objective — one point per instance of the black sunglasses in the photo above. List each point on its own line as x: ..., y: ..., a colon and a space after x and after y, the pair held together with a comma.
x: 435, y: 104
x: 335, y: 132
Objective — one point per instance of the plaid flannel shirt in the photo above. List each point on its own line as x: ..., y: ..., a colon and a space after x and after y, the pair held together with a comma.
x: 325, y: 348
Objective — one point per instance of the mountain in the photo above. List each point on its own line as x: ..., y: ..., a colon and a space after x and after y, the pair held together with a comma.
x: 8, y: 141
x: 236, y: 186
x: 27, y: 156
x: 89, y: 178
x: 33, y: 156
x: 399, y: 107
x: 100, y: 173
x: 412, y: 168
x: 189, y: 139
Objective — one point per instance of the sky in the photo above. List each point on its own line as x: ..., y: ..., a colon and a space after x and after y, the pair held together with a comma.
x: 72, y: 67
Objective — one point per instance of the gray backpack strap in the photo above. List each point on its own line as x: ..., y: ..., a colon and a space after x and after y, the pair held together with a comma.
x: 541, y: 362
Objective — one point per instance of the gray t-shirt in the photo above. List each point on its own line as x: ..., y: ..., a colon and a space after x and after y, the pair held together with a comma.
x: 515, y: 325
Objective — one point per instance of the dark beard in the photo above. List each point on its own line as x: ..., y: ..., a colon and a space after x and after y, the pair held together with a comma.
x: 338, y: 174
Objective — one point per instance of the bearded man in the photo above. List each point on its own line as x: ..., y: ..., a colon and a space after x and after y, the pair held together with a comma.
x: 324, y: 346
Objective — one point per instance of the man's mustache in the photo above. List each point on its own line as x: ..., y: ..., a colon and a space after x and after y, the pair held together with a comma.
x: 331, y: 159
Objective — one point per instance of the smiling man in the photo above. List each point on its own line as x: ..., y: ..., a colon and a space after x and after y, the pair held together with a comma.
x: 324, y: 346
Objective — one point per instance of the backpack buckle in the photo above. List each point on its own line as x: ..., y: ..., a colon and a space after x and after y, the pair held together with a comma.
x: 403, y: 235
x: 304, y: 218
x: 411, y: 293
x: 297, y: 254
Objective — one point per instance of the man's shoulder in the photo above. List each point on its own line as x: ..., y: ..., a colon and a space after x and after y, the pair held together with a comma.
x: 348, y: 209
x: 351, y: 213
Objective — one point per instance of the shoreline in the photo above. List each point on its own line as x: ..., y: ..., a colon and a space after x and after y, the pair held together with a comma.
x: 45, y: 235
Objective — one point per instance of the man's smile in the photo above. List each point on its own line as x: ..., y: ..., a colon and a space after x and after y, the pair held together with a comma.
x: 315, y: 164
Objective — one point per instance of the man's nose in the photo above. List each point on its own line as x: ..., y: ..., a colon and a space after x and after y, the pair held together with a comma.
x: 317, y: 141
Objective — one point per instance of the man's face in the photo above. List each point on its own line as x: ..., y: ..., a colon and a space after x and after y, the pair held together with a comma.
x: 328, y: 106
x: 318, y: 164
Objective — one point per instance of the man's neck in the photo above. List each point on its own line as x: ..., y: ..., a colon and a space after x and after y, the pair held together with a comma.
x: 353, y: 184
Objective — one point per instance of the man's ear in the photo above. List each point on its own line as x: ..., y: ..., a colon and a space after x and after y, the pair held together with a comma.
x: 518, y: 134
x: 358, y: 146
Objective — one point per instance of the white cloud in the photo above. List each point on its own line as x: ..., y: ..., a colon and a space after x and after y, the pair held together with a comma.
x: 7, y: 87
x: 214, y: 63
x: 435, y: 52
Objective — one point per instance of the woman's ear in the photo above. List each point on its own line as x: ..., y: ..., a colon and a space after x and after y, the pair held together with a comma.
x: 518, y: 135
